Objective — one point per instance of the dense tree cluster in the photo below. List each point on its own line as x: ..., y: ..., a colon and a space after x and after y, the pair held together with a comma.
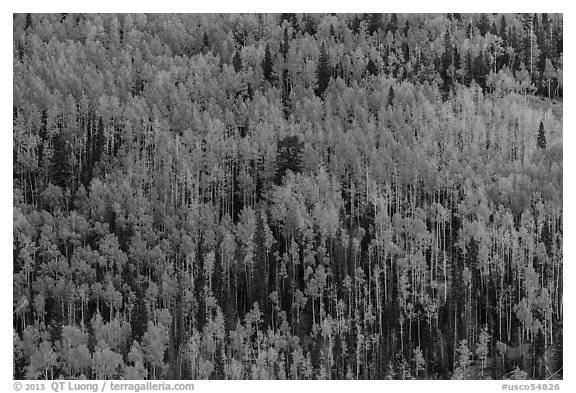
x: 287, y: 196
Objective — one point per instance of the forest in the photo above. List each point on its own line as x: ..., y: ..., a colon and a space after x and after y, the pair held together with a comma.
x: 287, y: 196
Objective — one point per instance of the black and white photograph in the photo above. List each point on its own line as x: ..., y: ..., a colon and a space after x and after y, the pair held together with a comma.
x: 287, y: 196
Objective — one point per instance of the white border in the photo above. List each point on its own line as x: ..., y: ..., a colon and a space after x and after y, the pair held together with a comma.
x: 6, y: 383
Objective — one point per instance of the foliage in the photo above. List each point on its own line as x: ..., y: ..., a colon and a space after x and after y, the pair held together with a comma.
x: 287, y: 196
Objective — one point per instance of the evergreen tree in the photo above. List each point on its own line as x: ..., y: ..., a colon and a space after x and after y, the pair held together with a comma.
x: 206, y: 43
x: 391, y: 96
x: 504, y: 58
x: 284, y: 46
x: 406, y: 52
x: 139, y: 317
x: 481, y: 69
x: 515, y: 44
x: 371, y: 68
x: 289, y: 17
x: 267, y: 65
x: 470, y: 30
x: 557, y: 41
x: 374, y: 23
x: 310, y: 25
x: 95, y: 146
x: 406, y: 28
x: 457, y: 65
x: 483, y: 24
x: 447, y: 64
x: 504, y: 31
x: 355, y: 24
x: 468, y: 69
x: 237, y: 61
x: 393, y: 25
x: 61, y: 170
x: 539, y: 356
x: 323, y: 72
x: 289, y: 156
x: 494, y: 29
x: 28, y: 21
x: 541, y: 142
x: 250, y: 91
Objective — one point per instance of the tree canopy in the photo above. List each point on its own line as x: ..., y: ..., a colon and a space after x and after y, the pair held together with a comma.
x: 287, y: 196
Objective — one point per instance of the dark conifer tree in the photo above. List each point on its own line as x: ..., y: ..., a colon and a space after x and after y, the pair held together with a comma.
x: 323, y: 72
x: 355, y: 24
x: 391, y: 96
x: 483, y: 25
x: 288, y: 157
x: 470, y: 30
x: 139, y: 317
x: 504, y: 58
x: 61, y: 170
x: 284, y: 46
x: 374, y: 23
x: 310, y: 25
x: 480, y: 69
x: 447, y: 64
x: 504, y: 31
x: 267, y: 65
x: 468, y: 69
x: 541, y: 142
x: 286, y: 89
x: 557, y: 40
x: 285, y: 84
x: 546, y: 235
x: 457, y: 64
x: 237, y: 61
x: 28, y: 21
x: 393, y: 25
x: 493, y: 29
x: 539, y: 357
x: 371, y: 67
x: 206, y: 43
x: 219, y: 366
x: 250, y: 92
x: 55, y: 321
x: 542, y: 38
x: 239, y: 36
x: 289, y: 17
x: 515, y: 43
x: 406, y: 52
